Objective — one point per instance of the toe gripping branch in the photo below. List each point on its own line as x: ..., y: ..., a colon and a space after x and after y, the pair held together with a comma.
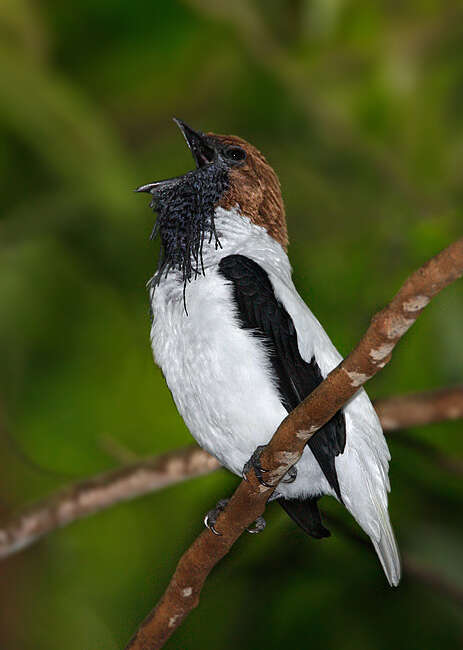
x: 211, y: 518
x: 255, y: 464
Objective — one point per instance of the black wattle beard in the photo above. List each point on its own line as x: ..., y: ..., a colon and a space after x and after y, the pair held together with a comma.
x: 185, y: 221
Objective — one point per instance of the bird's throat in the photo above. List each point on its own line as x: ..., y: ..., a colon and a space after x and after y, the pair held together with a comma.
x: 185, y: 221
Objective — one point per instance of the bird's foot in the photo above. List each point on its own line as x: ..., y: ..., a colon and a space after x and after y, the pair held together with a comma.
x: 211, y: 518
x: 290, y: 475
x: 258, y: 527
x: 255, y: 464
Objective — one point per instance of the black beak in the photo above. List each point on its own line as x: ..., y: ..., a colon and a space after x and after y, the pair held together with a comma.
x: 150, y: 188
x: 202, y: 153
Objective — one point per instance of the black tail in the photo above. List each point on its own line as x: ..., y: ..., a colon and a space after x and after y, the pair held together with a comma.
x: 306, y: 515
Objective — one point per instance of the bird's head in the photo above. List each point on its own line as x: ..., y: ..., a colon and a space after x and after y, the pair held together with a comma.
x: 230, y: 173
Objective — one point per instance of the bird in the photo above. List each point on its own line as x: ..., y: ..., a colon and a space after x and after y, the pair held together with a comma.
x: 240, y: 349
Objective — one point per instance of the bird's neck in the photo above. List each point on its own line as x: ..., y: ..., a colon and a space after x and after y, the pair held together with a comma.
x: 237, y: 234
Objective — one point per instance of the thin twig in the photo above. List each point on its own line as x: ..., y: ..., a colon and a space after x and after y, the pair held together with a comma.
x: 287, y: 445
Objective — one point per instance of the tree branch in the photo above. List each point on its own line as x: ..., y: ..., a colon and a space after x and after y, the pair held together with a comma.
x: 87, y: 497
x: 92, y: 495
x: 286, y: 447
x: 417, y: 409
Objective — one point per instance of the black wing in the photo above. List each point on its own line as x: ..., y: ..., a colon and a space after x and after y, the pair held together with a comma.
x: 260, y: 311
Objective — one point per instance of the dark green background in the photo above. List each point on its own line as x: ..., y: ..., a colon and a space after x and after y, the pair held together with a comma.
x: 359, y: 107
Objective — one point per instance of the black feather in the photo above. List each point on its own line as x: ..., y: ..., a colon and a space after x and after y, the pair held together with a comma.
x: 260, y: 311
x: 185, y: 219
x: 306, y: 515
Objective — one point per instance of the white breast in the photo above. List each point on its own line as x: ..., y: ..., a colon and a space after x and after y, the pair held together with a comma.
x: 217, y: 372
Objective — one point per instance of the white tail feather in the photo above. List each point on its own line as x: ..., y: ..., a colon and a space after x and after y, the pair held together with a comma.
x: 364, y: 490
x: 387, y: 551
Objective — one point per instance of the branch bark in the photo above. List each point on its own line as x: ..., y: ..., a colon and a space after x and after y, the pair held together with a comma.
x: 284, y: 450
x: 92, y: 495
x: 417, y: 409
x: 87, y: 497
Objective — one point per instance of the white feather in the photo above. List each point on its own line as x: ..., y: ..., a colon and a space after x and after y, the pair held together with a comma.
x: 223, y: 385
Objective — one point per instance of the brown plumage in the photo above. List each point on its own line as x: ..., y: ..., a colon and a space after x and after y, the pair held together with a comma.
x: 255, y: 188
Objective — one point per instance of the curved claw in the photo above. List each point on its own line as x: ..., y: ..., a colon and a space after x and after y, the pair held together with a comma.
x: 258, y: 527
x: 211, y: 516
x: 290, y: 475
x: 254, y: 463
x: 211, y: 526
x: 262, y: 482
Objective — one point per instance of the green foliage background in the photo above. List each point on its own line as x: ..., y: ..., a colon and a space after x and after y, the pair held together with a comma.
x: 358, y: 106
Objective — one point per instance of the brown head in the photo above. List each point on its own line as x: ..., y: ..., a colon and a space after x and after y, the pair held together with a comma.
x: 254, y: 188
x: 229, y: 173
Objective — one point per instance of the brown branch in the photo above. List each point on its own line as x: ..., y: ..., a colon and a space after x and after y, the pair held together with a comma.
x: 92, y: 495
x: 87, y: 497
x: 284, y: 450
x: 417, y: 409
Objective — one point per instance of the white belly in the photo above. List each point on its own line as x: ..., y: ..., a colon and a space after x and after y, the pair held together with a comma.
x: 220, y: 378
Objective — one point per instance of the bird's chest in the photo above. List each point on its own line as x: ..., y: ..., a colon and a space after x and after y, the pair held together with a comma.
x: 218, y: 373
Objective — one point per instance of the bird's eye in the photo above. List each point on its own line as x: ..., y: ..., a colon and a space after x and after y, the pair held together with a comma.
x: 235, y: 153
